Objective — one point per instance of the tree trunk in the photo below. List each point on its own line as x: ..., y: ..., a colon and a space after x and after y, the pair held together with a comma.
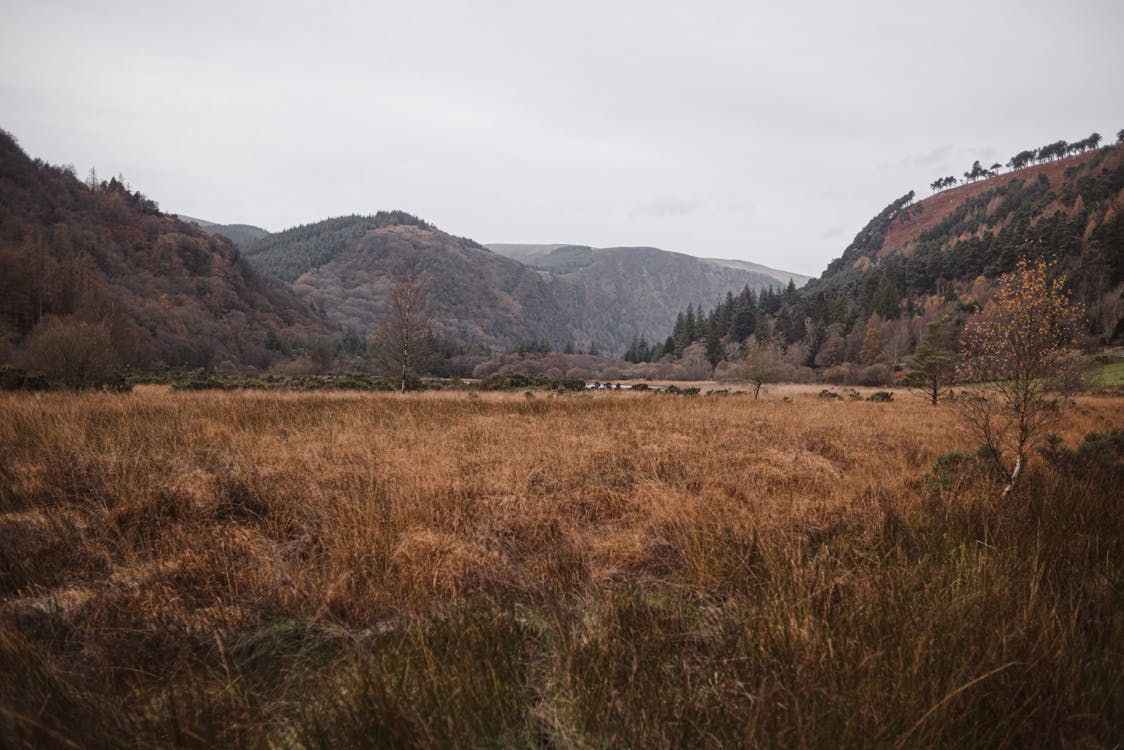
x: 1014, y: 475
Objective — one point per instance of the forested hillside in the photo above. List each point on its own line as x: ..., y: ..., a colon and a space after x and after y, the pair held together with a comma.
x: 346, y: 267
x: 560, y: 297
x: 935, y: 259
x: 242, y: 235
x: 100, y: 254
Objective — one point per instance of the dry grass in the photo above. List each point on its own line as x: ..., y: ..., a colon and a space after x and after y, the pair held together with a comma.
x: 604, y: 570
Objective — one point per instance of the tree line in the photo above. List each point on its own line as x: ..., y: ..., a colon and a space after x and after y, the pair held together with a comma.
x: 1049, y: 152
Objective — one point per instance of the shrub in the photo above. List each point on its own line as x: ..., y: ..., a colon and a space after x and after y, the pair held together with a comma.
x: 17, y: 379
x: 72, y: 353
x: 955, y: 468
x: 880, y: 396
x: 1100, y: 457
x: 874, y: 375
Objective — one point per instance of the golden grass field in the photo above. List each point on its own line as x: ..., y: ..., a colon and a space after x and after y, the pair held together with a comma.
x: 589, y: 570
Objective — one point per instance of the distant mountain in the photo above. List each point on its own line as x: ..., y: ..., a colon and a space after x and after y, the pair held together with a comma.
x: 571, y: 257
x: 345, y: 267
x: 617, y: 294
x: 782, y: 277
x: 556, y: 295
x: 242, y: 235
x: 165, y: 288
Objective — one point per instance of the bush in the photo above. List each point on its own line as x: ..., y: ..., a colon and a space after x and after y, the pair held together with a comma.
x: 17, y: 379
x: 880, y: 396
x: 874, y: 375
x: 955, y: 468
x: 518, y: 381
x: 1099, y: 458
x: 830, y: 395
x: 72, y: 353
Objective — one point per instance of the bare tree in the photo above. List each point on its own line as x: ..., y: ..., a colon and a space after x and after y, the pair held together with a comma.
x: 72, y: 353
x: 400, y: 343
x: 1021, y: 350
x: 762, y: 365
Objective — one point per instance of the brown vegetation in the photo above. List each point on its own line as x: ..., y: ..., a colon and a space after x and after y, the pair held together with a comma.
x: 615, y: 570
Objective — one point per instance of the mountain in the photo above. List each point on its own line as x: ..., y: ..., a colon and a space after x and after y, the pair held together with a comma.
x: 564, y: 257
x: 938, y: 258
x: 557, y: 295
x: 242, y: 235
x: 621, y: 293
x: 346, y: 267
x: 166, y: 289
x: 1070, y: 210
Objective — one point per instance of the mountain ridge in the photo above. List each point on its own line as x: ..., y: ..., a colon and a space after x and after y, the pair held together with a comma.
x: 562, y: 296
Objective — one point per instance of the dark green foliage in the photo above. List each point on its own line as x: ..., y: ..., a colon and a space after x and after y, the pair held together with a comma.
x: 356, y: 381
x: 934, y: 361
x: 959, y: 469
x: 1099, y: 459
x: 515, y: 381
x: 13, y: 378
x: 885, y: 301
x: 881, y: 396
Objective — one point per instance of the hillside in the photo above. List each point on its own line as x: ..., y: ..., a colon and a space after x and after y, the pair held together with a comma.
x: 629, y: 292
x: 242, y: 235
x: 166, y: 289
x: 937, y: 259
x: 1070, y: 210
x: 562, y: 258
x: 556, y: 295
x: 345, y: 267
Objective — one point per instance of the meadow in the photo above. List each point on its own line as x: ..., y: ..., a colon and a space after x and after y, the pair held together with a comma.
x: 574, y: 571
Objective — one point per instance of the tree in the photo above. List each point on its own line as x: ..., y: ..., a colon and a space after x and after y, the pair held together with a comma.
x: 885, y: 301
x: 401, y: 341
x: 72, y: 353
x: 933, y: 362
x: 762, y: 365
x: 871, y: 351
x: 1020, y: 349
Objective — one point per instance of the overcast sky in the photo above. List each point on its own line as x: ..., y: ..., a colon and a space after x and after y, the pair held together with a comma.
x: 764, y: 131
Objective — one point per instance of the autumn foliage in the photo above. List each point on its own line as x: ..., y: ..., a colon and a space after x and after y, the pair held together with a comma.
x: 1021, y: 349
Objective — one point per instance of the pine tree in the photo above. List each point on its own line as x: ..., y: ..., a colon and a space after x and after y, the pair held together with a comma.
x: 933, y: 362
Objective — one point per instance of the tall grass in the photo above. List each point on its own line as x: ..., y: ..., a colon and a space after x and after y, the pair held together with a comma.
x: 619, y: 570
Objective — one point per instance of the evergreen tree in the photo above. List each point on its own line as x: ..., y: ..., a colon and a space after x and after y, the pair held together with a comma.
x: 885, y: 301
x: 933, y: 362
x: 713, y: 347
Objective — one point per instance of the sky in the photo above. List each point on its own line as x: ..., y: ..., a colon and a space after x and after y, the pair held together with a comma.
x: 770, y: 132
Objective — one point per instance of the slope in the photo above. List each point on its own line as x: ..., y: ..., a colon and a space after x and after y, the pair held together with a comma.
x: 166, y: 289
x: 242, y: 235
x: 560, y: 295
x: 1069, y: 210
x: 346, y: 267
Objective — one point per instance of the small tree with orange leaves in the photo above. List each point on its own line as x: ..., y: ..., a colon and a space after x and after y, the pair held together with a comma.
x: 1018, y: 350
